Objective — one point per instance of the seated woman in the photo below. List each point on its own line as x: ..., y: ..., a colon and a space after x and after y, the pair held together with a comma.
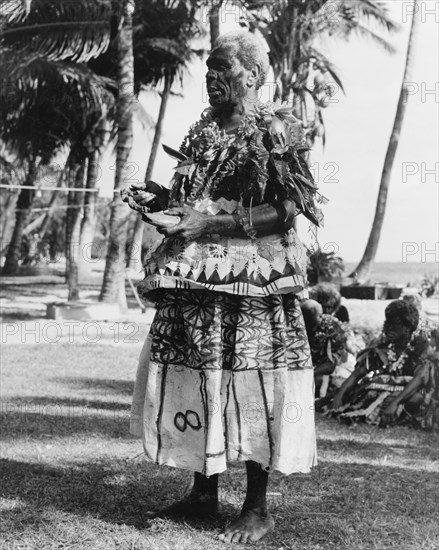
x: 395, y: 378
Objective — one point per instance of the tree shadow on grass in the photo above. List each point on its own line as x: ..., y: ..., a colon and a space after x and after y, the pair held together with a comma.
x: 124, y: 387
x: 118, y: 492
x: 375, y: 450
x: 29, y: 403
x: 68, y: 422
x: 326, y: 509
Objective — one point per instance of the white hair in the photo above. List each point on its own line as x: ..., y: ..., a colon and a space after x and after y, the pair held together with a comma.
x: 249, y: 50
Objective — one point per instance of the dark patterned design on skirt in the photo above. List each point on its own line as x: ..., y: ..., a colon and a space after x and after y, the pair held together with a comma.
x: 184, y: 332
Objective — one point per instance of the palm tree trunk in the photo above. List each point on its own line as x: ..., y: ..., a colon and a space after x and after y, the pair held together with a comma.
x: 113, y: 285
x: 214, y: 22
x: 364, y: 268
x: 88, y: 223
x: 293, y: 53
x: 73, y: 225
x: 49, y: 214
x: 135, y: 261
x: 22, y: 213
x: 7, y: 215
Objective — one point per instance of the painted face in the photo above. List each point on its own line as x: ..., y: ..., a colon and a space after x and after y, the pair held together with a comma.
x: 225, y: 78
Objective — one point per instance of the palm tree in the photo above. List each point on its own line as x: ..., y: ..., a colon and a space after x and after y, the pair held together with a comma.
x: 304, y: 76
x: 51, y: 105
x: 364, y: 268
x: 35, y: 35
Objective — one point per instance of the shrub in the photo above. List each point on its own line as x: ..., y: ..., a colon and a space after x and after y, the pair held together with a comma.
x: 322, y: 265
x: 430, y: 285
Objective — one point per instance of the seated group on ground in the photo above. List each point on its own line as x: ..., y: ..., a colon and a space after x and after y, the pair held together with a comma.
x: 393, y: 380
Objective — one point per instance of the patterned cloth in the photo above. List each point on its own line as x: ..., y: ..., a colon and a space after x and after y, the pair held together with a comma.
x: 248, y: 267
x: 371, y: 397
x: 226, y: 378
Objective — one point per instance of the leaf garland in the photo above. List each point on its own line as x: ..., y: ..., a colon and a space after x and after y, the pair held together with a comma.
x: 262, y: 161
x: 329, y: 341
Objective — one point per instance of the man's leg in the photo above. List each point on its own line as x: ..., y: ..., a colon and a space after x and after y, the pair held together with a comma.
x: 254, y: 521
x: 202, y: 501
x: 205, y: 488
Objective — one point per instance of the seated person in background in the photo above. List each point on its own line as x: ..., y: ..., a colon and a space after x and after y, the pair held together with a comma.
x: 327, y: 340
x: 330, y: 299
x: 425, y: 384
x: 415, y: 300
x: 395, y: 379
x: 312, y: 313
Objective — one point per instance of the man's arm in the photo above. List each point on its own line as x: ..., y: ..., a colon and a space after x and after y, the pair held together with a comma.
x: 258, y: 221
x: 348, y: 385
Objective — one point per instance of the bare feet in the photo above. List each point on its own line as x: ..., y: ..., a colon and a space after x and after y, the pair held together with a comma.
x: 249, y: 527
x: 193, y: 506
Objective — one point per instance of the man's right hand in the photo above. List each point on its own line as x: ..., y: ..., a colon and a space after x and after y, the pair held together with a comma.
x: 150, y: 194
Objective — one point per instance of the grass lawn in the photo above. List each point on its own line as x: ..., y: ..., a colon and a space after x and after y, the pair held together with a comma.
x: 73, y: 478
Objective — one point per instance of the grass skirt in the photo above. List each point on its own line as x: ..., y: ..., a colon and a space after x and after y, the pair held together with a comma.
x: 226, y: 378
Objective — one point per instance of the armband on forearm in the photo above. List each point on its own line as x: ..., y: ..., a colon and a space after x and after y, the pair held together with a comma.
x: 243, y: 221
x: 262, y: 220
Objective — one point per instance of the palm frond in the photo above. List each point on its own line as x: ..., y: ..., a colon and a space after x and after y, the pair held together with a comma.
x: 50, y: 105
x: 292, y: 44
x: 372, y: 11
x: 365, y: 32
x: 56, y: 29
x: 168, y: 48
x: 163, y: 30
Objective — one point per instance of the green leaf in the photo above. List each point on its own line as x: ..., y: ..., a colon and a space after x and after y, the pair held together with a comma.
x: 185, y: 167
x: 176, y: 155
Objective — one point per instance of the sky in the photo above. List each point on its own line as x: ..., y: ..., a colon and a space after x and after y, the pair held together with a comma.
x: 358, y: 126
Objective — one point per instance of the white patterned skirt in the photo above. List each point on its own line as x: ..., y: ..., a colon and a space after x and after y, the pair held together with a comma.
x: 225, y: 378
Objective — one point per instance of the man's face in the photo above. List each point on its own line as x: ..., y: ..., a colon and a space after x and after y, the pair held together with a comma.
x: 225, y: 78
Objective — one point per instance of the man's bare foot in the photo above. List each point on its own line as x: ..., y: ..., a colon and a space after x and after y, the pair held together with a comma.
x: 196, y: 506
x: 249, y: 527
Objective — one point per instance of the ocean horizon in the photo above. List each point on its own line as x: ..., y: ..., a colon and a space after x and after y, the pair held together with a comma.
x: 400, y: 273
